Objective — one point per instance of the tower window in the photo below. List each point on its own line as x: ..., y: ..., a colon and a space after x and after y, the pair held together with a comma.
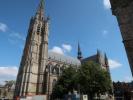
x: 38, y: 29
x: 41, y: 30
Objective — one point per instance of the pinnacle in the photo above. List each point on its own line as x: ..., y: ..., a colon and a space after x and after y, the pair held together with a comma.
x: 41, y: 3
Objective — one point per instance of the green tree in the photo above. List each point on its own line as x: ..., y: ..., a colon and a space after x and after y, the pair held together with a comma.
x: 66, y: 83
x: 93, y: 79
x: 88, y: 79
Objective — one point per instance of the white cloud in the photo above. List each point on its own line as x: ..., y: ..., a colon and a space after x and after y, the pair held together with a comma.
x: 107, y: 4
x: 12, y: 41
x: 17, y: 35
x: 9, y: 70
x: 12, y: 36
x: 3, y: 27
x: 114, y: 64
x: 128, y: 79
x: 67, y: 47
x: 57, y: 49
x: 8, y: 73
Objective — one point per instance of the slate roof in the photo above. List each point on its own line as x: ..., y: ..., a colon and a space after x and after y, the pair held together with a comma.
x: 64, y: 58
x: 91, y: 58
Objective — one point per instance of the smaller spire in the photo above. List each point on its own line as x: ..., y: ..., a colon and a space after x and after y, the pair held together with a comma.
x: 98, y: 56
x: 106, y: 60
x: 107, y: 63
x: 79, y: 52
x: 98, y: 52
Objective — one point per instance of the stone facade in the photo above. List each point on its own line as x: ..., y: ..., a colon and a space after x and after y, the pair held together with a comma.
x: 123, y: 10
x: 56, y: 63
x: 39, y: 68
x: 31, y: 71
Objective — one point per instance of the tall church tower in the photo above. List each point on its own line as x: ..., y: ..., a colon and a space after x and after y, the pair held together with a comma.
x: 123, y: 10
x: 35, y: 54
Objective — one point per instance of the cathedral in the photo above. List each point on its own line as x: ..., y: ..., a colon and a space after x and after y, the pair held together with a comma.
x: 123, y: 10
x: 39, y: 68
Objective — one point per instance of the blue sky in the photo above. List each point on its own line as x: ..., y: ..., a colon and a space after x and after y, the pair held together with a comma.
x: 88, y: 21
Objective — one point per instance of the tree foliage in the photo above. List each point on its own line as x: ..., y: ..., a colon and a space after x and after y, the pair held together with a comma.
x: 89, y: 79
x: 66, y: 83
x: 93, y: 79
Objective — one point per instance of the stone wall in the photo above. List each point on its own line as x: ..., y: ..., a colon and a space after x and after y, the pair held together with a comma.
x: 123, y: 10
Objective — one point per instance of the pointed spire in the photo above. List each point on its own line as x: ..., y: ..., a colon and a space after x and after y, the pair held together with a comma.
x: 79, y: 52
x: 106, y: 60
x: 98, y: 56
x: 107, y: 63
x: 40, y: 10
x: 98, y: 52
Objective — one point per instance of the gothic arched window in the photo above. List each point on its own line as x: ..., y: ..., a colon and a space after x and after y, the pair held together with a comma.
x: 55, y: 70
x: 48, y: 68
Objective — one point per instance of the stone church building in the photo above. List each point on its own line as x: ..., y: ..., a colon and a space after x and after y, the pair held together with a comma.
x: 39, y: 68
